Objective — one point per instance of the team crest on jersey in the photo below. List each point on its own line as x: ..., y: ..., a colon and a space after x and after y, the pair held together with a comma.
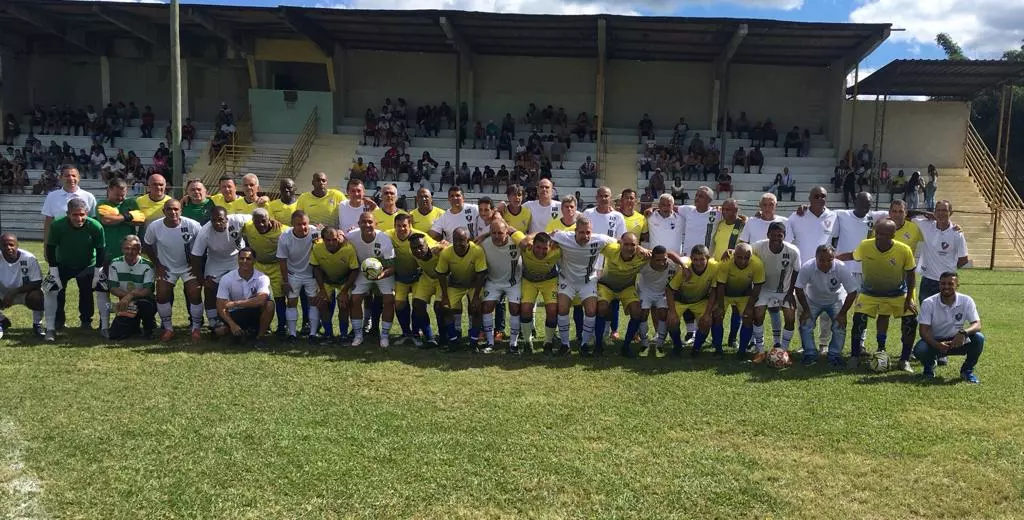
x: 186, y: 236
x: 906, y: 235
x: 554, y: 214
x: 959, y: 317
x: 945, y: 245
x: 785, y: 262
x: 892, y: 261
x: 833, y: 282
x: 377, y: 250
x: 711, y: 218
x: 252, y: 291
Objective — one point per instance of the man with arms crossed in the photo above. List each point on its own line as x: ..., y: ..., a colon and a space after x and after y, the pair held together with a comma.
x: 168, y: 244
x: 132, y: 278
x: 243, y: 301
x: 74, y: 249
x: 825, y: 286
x: 20, y: 282
x: 943, y: 333
x: 119, y: 217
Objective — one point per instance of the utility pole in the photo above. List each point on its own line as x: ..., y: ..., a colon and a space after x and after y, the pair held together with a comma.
x: 177, y: 160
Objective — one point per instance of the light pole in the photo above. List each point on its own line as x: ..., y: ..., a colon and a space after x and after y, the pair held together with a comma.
x: 177, y: 160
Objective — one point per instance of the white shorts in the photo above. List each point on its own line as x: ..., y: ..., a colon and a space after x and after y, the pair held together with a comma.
x: 493, y: 291
x: 299, y: 283
x: 772, y: 300
x: 577, y: 289
x: 363, y: 285
x: 172, y: 278
x: 217, y: 273
x: 649, y: 300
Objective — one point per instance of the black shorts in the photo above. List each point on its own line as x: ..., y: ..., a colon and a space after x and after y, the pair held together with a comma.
x: 247, y: 319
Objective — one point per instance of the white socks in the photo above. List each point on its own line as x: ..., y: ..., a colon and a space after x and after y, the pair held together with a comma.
x: 103, y: 307
x: 563, y: 329
x: 357, y: 326
x: 314, y: 320
x: 292, y: 315
x: 50, y: 309
x: 758, y: 338
x: 525, y: 329
x: 195, y: 310
x: 515, y: 325
x: 776, y: 317
x: 37, y: 317
x: 385, y: 328
x: 787, y: 337
x: 164, y: 309
x: 488, y: 320
x: 588, y: 329
x: 211, y: 317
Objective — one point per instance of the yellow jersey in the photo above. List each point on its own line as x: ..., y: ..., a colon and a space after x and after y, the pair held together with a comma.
x: 884, y: 273
x: 240, y: 207
x: 698, y: 287
x: 263, y: 244
x: 421, y: 222
x: 739, y: 281
x: 519, y: 222
x: 337, y: 265
x: 461, y: 270
x: 428, y: 267
x: 541, y: 269
x: 386, y: 222
x: 619, y: 273
x: 726, y: 237
x: 909, y: 234
x: 152, y: 209
x: 321, y: 210
x: 406, y: 266
x: 636, y: 223
x: 557, y: 225
x: 218, y: 200
x: 280, y: 211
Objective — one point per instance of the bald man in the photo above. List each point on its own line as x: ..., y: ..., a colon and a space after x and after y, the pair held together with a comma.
x: 152, y: 202
x: 250, y: 199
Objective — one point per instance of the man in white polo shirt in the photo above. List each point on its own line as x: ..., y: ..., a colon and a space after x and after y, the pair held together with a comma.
x: 56, y: 203
x: 604, y: 218
x: 699, y: 220
x: 945, y: 249
x: 825, y: 285
x: 665, y: 225
x: 943, y: 332
x: 808, y: 230
x: 244, y: 302
x: 350, y: 210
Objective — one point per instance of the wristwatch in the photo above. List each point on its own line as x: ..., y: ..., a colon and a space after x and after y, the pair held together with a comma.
x: 962, y: 331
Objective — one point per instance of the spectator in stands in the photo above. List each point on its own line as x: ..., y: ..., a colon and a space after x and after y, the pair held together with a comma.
x: 724, y: 184
x: 504, y: 143
x: 508, y: 125
x: 645, y: 129
x: 755, y: 158
x: 769, y: 133
x: 913, y: 187
x: 492, y: 135
x: 680, y: 131
x: 545, y: 167
x: 588, y: 170
x: 465, y: 177
x: 557, y: 152
x: 383, y: 133
x: 447, y: 175
x: 112, y: 169
x: 220, y: 140
x: 357, y: 170
x: 646, y: 164
x: 372, y: 175
x: 532, y: 117
x: 96, y: 160
x: 11, y: 129
x: 656, y: 183
x: 521, y: 151
x: 774, y: 186
x: 148, y: 121
x: 427, y: 164
x: 446, y: 114
x: 679, y: 191
x: 562, y: 136
x: 188, y: 132
x: 863, y: 158
x: 697, y: 148
x: 929, y: 189
x: 52, y: 155
x: 742, y: 126
x: 739, y: 158
x: 476, y: 179
x: 582, y: 126
x: 502, y: 176
x: 67, y: 153
x: 479, y: 135
x: 788, y: 184
x: 132, y: 113
x: 490, y: 177
x: 793, y: 141
x: 850, y: 186
x: 712, y: 160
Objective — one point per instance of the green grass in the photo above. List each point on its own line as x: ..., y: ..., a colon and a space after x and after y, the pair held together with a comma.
x: 153, y: 431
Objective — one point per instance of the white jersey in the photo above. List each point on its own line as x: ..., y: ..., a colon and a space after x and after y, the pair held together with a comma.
x: 381, y: 247
x: 234, y: 288
x: 221, y: 247
x: 14, y: 275
x: 173, y: 244
x: 541, y: 215
x: 579, y: 263
x: 778, y: 267
x: 348, y: 217
x: 295, y: 251
x: 810, y: 231
x: 850, y: 230
x: 666, y: 231
x: 447, y: 223
x: 480, y: 226
x: 55, y: 205
x: 942, y: 249
x: 504, y: 263
x: 825, y: 288
x: 756, y: 229
x: 612, y: 223
x: 654, y: 282
x: 698, y: 228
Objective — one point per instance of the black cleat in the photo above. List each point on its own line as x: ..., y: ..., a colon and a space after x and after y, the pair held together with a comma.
x: 563, y: 350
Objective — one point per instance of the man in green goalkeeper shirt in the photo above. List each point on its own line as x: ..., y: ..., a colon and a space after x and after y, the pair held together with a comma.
x: 74, y: 247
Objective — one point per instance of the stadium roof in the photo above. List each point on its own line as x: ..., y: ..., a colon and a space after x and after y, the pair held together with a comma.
x: 87, y: 27
x: 961, y: 79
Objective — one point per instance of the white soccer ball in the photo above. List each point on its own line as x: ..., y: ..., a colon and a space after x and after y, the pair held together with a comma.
x: 879, y: 361
x: 372, y: 268
x: 778, y: 358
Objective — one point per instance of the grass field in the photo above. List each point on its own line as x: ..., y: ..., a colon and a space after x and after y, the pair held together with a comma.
x: 176, y: 431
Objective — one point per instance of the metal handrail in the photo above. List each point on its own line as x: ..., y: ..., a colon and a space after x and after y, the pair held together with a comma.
x: 1002, y: 198
x: 298, y: 154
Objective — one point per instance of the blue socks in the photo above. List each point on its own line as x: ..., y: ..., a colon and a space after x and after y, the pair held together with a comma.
x: 746, y: 332
x: 403, y: 313
x: 677, y: 339
x: 881, y: 340
x: 700, y: 337
x: 734, y: 326
x: 717, y: 331
x: 599, y: 324
x: 631, y: 330
x: 577, y: 319
x: 282, y: 320
x: 613, y: 308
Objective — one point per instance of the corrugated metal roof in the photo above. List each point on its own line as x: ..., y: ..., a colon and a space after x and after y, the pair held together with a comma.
x: 961, y: 79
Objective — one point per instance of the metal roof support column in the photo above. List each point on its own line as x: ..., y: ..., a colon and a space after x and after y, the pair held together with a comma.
x: 465, y: 56
x: 339, y: 71
x: 104, y: 80
x: 458, y: 109
x: 177, y: 157
x: 720, y: 85
x: 602, y: 60
x: 853, y: 115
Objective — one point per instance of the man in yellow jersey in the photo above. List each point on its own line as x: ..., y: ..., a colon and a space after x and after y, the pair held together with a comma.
x: 888, y: 280
x: 335, y: 268
x: 406, y: 273
x: 281, y: 208
x: 567, y: 222
x: 725, y: 236
x: 261, y: 234
x: 425, y: 213
x: 461, y: 269
x: 152, y: 202
x: 388, y: 209
x: 321, y: 204
x: 226, y: 193
x: 692, y: 290
x: 739, y: 284
x: 618, y: 283
x: 251, y: 198
x: 517, y: 215
x: 635, y: 221
x: 540, y: 280
x: 426, y: 288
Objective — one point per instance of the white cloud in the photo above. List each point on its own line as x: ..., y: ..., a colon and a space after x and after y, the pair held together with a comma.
x: 624, y: 7
x: 984, y: 28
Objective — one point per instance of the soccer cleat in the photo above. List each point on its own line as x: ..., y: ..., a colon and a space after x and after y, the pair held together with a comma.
x: 291, y: 340
x: 528, y: 346
x: 51, y: 336
x: 759, y: 358
x: 428, y: 344
x: 548, y: 349
x: 837, y: 362
x: 585, y: 351
x: 357, y: 341
x: 487, y: 350
x: 167, y: 335
x: 197, y: 335
x: 719, y: 351
x: 38, y: 330
x: 627, y: 352
x: 970, y: 378
x: 562, y: 350
x: 385, y: 342
x: 677, y: 352
x: 5, y: 322
x: 905, y: 366
x: 314, y: 339
x: 809, y: 360
x: 85, y: 326
x: 105, y: 333
x: 943, y: 361
x: 260, y: 344
x: 513, y: 350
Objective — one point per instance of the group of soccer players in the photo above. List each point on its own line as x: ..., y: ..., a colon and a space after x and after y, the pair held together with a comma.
x: 668, y: 266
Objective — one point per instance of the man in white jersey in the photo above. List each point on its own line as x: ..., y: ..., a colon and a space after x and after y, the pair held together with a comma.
x: 485, y: 216
x: 350, y: 210
x: 504, y: 272
x: 577, y: 277
x: 665, y: 225
x: 699, y: 219
x: 756, y: 228
x: 825, y: 286
x: 545, y: 208
x: 371, y: 242
x: 809, y: 229
x: 218, y: 242
x: 244, y: 301
x: 781, y: 261
x: 603, y: 217
x: 20, y: 282
x: 460, y: 214
x: 293, y: 251
x: 851, y: 228
x: 168, y: 244
x: 650, y: 290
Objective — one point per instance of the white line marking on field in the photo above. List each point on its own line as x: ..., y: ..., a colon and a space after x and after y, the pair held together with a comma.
x: 23, y: 488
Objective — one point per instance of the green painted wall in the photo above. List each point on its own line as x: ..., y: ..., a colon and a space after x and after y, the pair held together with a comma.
x: 272, y: 115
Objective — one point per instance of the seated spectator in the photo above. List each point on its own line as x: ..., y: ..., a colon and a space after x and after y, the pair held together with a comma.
x: 112, y: 169
x: 161, y: 159
x: 545, y: 167
x: 547, y: 116
x: 358, y: 170
x: 793, y: 141
x: 646, y: 200
x: 534, y: 144
x: 427, y: 165
x: 148, y: 121
x: 521, y: 151
x: 133, y: 165
x: 864, y: 157
x: 133, y: 113
x: 739, y: 158
x: 755, y: 158
x: 464, y: 177
x: 492, y: 134
x: 588, y: 170
x: 447, y: 175
x: 82, y: 160
x: 6, y: 175
x: 47, y: 182
x: 416, y: 176
x: 421, y: 121
x: 697, y: 148
x: 656, y: 183
x: 372, y: 176
x: 96, y: 160
x: 12, y: 129
x: 501, y: 177
x: 67, y: 153
x: 504, y: 143
x: 562, y: 118
x: 582, y: 126
x: 769, y: 133
x: 476, y: 178
x: 406, y: 166
x: 884, y: 176
x: 679, y: 191
x: 712, y: 162
x: 742, y: 126
x: 774, y: 186
x: 79, y: 121
x: 53, y: 120
x: 383, y: 133
x: 557, y: 151
x: 713, y: 145
x: 756, y: 134
x: 646, y: 164
x: 787, y: 184
x: 838, y: 176
x: 532, y: 117
x: 401, y: 110
x: 724, y: 184
x: 680, y: 131
x: 220, y: 140
x: 188, y: 132
x: 645, y: 129
x: 53, y: 155
x: 488, y: 177
x: 479, y: 135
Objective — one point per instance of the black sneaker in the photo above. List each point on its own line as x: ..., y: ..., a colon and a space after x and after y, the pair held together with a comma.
x: 627, y: 352
x: 549, y: 350
x: 85, y: 326
x: 37, y: 330
x: 5, y: 323
x: 562, y: 350
x: 585, y: 351
x: 512, y: 350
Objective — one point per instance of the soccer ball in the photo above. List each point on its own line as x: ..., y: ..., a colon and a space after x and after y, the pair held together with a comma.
x: 879, y: 362
x: 778, y: 358
x: 372, y: 268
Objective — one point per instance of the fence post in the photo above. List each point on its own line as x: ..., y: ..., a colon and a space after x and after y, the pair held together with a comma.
x: 995, y: 229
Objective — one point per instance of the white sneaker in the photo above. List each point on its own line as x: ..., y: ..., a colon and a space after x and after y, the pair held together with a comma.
x: 357, y: 341
x: 105, y: 333
x: 905, y: 366
x: 384, y: 342
x: 487, y: 350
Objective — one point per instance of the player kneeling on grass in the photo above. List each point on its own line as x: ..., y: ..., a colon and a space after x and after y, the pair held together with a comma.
x: 427, y: 287
x: 217, y: 242
x: 781, y: 261
x: 504, y: 270
x: 651, y: 282
x: 293, y: 252
x: 131, y: 279
x: 168, y: 244
x: 335, y: 268
x: 20, y: 282
x: 692, y: 290
x: 739, y: 284
x: 74, y: 249
x: 825, y: 286
x: 461, y: 270
x: 243, y: 301
x: 371, y: 242
x: 540, y: 280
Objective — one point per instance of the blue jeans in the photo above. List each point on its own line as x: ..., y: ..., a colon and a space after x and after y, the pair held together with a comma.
x: 972, y: 349
x: 835, y: 346
x: 928, y: 288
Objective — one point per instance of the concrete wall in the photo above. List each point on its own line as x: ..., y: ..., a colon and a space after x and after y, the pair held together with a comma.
x: 144, y: 81
x: 665, y: 90
x: 788, y: 95
x: 511, y: 83
x: 917, y: 133
x: 370, y: 76
x: 211, y: 83
x: 271, y: 114
x: 60, y: 80
x: 14, y: 88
